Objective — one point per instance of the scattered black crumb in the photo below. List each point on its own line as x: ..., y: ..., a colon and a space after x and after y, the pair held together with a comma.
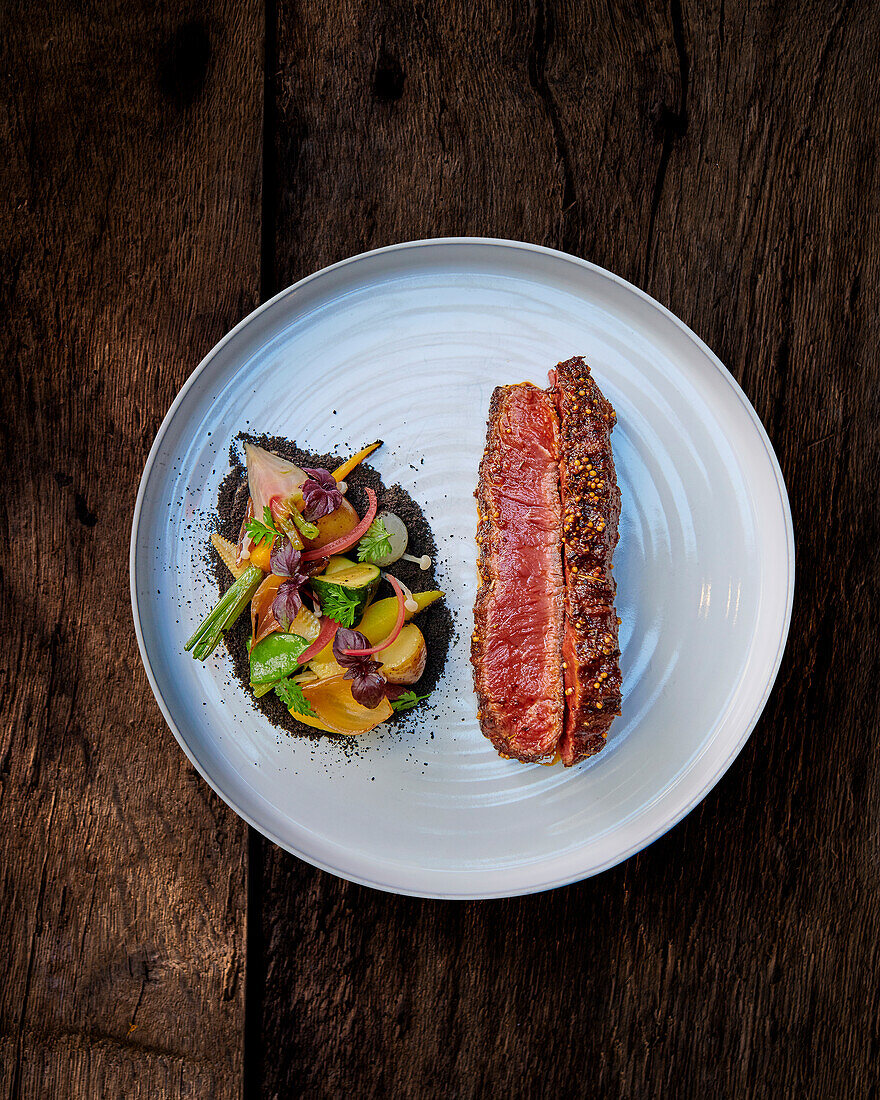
x: 435, y: 622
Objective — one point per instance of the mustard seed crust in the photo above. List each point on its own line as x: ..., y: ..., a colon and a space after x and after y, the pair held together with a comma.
x: 591, y: 511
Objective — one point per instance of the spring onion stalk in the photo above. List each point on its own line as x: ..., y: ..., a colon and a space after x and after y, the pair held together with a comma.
x: 224, y: 616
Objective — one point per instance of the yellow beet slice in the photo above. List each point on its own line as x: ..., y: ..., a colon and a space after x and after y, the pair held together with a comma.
x: 376, y: 625
x: 380, y: 617
x: 338, y: 710
x: 261, y: 556
x: 308, y: 720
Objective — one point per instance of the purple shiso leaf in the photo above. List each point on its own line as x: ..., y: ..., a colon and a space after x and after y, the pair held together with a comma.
x: 321, y: 495
x: 367, y: 683
x: 368, y: 690
x: 394, y: 691
x: 287, y: 602
x: 348, y: 639
x: 284, y: 559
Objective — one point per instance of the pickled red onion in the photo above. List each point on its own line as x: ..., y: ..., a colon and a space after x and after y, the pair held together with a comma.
x: 326, y: 633
x: 351, y: 538
x: 398, y: 626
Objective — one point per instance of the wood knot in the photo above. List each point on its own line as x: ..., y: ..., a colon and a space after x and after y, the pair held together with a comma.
x: 667, y: 123
x: 388, y: 77
x: 183, y: 63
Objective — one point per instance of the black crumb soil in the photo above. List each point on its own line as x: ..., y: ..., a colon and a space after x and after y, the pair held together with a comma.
x: 435, y: 621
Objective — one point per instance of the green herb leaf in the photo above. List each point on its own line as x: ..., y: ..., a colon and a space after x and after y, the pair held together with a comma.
x: 407, y: 701
x: 375, y: 545
x: 339, y: 606
x: 291, y: 695
x: 259, y: 532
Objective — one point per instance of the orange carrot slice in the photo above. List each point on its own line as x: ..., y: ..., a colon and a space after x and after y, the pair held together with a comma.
x: 342, y: 472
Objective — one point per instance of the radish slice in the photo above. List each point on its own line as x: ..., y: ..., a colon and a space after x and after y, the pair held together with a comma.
x: 347, y: 540
x: 328, y: 631
x: 398, y: 626
x: 398, y: 537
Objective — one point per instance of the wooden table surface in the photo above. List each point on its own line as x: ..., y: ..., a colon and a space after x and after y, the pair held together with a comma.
x: 168, y: 166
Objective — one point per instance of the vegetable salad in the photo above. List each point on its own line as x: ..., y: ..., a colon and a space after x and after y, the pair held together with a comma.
x: 309, y: 567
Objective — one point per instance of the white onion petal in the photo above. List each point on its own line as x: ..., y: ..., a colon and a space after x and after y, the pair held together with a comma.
x: 270, y: 476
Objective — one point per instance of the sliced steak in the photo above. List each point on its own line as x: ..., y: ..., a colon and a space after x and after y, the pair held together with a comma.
x: 518, y: 614
x: 591, y: 510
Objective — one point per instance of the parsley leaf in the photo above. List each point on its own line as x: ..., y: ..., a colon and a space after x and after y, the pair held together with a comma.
x: 407, y: 701
x: 291, y: 695
x: 375, y: 545
x: 259, y: 532
x: 339, y: 606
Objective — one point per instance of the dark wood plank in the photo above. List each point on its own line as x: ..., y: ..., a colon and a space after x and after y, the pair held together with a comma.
x: 131, y: 217
x: 723, y: 157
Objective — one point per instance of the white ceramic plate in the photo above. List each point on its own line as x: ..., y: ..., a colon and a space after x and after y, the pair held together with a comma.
x: 406, y: 344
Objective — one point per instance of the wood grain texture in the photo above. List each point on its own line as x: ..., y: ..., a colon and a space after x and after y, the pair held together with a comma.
x: 130, y: 226
x: 723, y: 157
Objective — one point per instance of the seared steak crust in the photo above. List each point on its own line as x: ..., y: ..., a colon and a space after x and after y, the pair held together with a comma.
x: 591, y: 510
x: 518, y: 614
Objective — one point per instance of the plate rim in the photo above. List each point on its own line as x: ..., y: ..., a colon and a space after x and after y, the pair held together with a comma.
x: 735, y: 748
